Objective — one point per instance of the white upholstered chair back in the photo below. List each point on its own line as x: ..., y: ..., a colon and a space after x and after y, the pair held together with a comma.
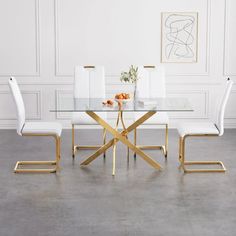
x: 151, y: 82
x: 222, y: 106
x: 19, y: 104
x: 89, y: 82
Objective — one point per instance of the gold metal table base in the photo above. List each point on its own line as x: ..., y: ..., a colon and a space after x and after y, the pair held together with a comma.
x: 122, y: 137
x: 36, y: 163
x: 183, y: 163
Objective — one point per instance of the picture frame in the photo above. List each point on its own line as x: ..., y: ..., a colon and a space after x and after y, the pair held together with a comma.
x: 179, y: 37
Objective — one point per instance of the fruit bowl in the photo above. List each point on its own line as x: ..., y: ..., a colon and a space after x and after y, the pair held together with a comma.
x: 122, y: 97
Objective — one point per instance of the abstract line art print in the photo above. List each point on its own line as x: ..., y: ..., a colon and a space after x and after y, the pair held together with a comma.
x: 179, y: 37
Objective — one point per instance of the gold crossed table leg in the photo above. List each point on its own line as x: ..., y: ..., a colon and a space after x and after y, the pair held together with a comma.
x: 121, y: 137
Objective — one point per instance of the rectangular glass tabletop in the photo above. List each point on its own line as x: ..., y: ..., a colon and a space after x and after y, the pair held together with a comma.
x: 141, y: 104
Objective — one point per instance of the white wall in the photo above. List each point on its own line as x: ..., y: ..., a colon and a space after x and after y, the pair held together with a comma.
x: 42, y: 40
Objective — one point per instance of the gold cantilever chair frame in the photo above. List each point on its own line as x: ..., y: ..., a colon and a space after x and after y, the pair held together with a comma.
x: 164, y: 148
x: 183, y: 163
x: 50, y: 163
x: 75, y: 148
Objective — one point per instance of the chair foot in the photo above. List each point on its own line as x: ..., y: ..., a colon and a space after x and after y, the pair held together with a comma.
x: 25, y: 163
x: 220, y: 163
x: 85, y: 147
x: 154, y: 147
x: 164, y: 150
x: 73, y: 152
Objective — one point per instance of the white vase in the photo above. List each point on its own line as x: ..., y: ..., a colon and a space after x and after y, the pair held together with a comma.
x: 135, y: 96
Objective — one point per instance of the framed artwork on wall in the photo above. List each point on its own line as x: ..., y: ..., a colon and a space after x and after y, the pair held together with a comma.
x: 179, y: 37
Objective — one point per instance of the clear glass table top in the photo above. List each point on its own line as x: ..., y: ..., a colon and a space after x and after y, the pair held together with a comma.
x: 142, y: 104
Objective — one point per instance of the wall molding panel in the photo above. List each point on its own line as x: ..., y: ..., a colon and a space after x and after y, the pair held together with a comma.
x: 231, y: 110
x: 201, y: 109
x: 227, y: 52
x: 205, y: 71
x: 58, y: 96
x: 36, y: 73
x: 36, y: 95
x: 55, y: 34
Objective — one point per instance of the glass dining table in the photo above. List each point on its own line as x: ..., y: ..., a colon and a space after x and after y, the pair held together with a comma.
x: 147, y: 107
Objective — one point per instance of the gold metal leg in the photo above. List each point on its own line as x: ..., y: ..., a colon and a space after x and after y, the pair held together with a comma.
x: 104, y: 140
x: 87, y: 147
x: 184, y: 163
x: 124, y: 140
x: 124, y: 128
x: 97, y: 153
x: 110, y: 143
x: 182, y: 152
x: 114, y: 159
x: 135, y: 140
x: 114, y: 145
x: 166, y: 141
x: 58, y: 155
x: 73, y: 141
x: 46, y: 170
x: 180, y: 149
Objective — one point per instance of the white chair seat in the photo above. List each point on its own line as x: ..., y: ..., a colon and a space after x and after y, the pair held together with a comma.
x: 157, y: 119
x: 81, y: 118
x: 197, y: 128
x: 42, y: 128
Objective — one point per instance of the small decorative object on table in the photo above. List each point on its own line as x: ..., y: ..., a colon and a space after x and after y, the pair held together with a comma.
x: 108, y: 102
x: 131, y: 77
x: 122, y: 97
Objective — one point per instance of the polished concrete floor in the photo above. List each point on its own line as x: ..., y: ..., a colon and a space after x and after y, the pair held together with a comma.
x: 137, y: 201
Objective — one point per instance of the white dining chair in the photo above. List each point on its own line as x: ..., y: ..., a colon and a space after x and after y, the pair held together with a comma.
x: 151, y: 84
x: 205, y: 129
x: 34, y: 129
x: 89, y: 82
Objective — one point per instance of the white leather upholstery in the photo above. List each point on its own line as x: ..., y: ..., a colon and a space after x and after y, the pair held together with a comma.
x: 191, y: 128
x: 222, y: 106
x: 30, y: 127
x: 88, y: 83
x: 151, y: 84
x: 42, y: 128
x: 208, y: 127
x: 19, y: 103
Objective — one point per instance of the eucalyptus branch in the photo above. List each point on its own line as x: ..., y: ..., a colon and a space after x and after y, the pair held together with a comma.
x: 131, y: 76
